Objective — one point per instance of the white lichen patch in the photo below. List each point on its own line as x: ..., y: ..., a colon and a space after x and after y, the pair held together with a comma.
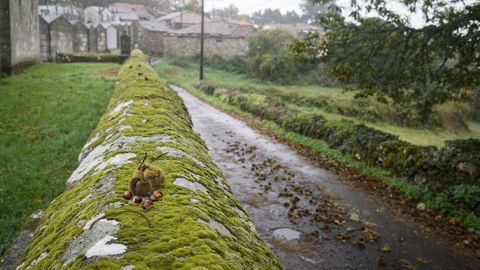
x: 127, y: 267
x: 194, y: 201
x: 102, y: 248
x: 93, y: 220
x: 217, y: 226
x: 124, y: 127
x: 189, y: 184
x: 97, y: 233
x: 38, y: 215
x: 86, y: 198
x: 179, y: 154
x: 121, y: 106
x: 36, y: 261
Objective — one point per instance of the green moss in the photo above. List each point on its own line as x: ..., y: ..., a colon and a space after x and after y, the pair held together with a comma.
x: 169, y: 235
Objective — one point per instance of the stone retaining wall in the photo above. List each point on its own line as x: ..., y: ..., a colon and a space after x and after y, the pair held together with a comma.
x: 197, y: 224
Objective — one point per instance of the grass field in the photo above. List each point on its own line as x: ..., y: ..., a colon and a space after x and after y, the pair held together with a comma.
x: 186, y: 73
x: 46, y: 116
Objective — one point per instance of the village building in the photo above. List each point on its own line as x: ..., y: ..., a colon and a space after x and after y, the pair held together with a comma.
x: 80, y: 36
x: 19, y: 35
x: 131, y: 12
x: 96, y: 15
x: 178, y: 20
x: 69, y: 12
x: 223, y: 38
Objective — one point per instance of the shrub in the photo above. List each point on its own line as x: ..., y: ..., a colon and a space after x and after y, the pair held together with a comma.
x: 269, y: 55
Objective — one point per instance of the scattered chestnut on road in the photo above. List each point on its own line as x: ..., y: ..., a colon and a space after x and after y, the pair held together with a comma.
x: 127, y: 195
x: 137, y: 199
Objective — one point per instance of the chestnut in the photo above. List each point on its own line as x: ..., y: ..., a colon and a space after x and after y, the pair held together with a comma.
x: 127, y: 195
x: 137, y: 199
x: 158, y: 194
x: 147, y: 204
x: 153, y: 198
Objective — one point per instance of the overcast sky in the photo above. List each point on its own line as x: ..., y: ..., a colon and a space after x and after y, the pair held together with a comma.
x: 250, y: 6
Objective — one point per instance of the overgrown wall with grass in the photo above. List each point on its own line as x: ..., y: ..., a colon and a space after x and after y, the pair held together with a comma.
x: 453, y: 170
x: 197, y: 224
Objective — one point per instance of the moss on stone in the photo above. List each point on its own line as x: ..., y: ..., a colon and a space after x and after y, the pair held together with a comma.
x: 146, y: 116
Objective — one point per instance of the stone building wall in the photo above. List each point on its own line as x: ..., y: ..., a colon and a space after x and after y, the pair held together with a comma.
x: 188, y: 46
x: 45, y: 40
x: 61, y: 35
x: 101, y: 39
x: 152, y: 42
x: 80, y: 37
x: 164, y: 44
x: 92, y: 39
x: 19, y: 35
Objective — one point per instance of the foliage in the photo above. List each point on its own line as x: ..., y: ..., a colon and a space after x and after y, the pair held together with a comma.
x: 270, y: 57
x: 311, y: 10
x: 390, y: 59
x: 230, y: 12
x: 47, y: 115
x: 275, y: 16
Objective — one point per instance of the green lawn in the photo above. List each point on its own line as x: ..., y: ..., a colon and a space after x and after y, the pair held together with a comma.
x: 185, y: 72
x: 46, y: 116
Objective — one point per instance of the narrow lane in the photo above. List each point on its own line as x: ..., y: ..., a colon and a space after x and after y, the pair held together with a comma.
x: 305, y: 214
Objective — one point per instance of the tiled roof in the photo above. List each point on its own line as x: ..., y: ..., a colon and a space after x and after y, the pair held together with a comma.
x: 157, y: 26
x: 183, y: 17
x: 140, y: 10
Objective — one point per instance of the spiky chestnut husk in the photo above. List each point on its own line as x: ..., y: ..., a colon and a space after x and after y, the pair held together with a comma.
x: 153, y: 175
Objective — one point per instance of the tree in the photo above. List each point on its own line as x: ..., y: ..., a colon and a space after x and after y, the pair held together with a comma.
x: 388, y: 58
x: 275, y: 16
x: 230, y: 12
x: 193, y: 6
x: 269, y: 54
x: 310, y: 10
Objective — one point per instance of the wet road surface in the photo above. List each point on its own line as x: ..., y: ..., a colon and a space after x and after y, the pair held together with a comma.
x: 305, y: 214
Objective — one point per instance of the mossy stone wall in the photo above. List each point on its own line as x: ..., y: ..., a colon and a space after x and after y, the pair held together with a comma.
x: 198, y: 224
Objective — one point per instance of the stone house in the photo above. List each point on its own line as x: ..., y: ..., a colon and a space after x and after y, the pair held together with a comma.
x: 80, y: 37
x: 92, y: 38
x: 101, y: 34
x: 111, y: 37
x: 223, y: 38
x: 45, y: 38
x: 97, y: 15
x: 55, y: 36
x: 69, y: 12
x: 178, y: 20
x: 131, y: 12
x: 19, y: 35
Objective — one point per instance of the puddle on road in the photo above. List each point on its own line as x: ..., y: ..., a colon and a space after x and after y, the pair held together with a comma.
x: 286, y: 234
x: 307, y: 216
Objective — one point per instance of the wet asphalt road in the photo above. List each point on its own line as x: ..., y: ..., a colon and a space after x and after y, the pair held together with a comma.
x: 305, y: 214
